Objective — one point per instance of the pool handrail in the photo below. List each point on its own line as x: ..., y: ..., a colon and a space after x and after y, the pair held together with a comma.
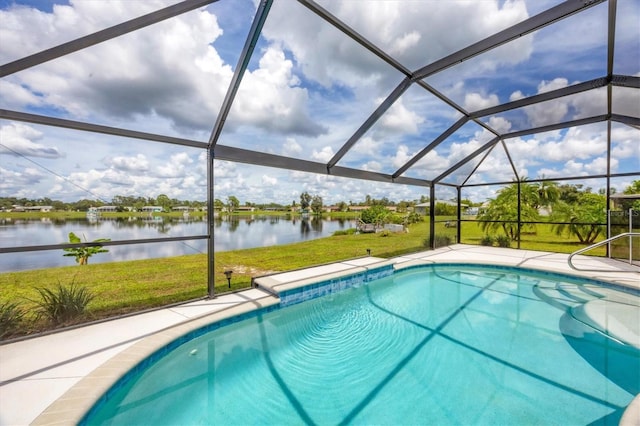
x: 603, y: 242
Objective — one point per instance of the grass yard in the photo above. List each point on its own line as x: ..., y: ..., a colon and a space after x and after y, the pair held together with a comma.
x: 131, y: 286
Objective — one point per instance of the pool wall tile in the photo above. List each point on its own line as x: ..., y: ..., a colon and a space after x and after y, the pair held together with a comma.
x: 333, y: 285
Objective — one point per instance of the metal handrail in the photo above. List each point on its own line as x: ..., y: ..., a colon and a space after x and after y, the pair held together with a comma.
x: 600, y: 243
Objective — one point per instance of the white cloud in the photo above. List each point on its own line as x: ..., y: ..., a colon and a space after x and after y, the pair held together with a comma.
x: 269, y: 180
x: 578, y: 143
x: 183, y: 82
x: 551, y: 111
x: 401, y: 157
x: 291, y: 147
x: 15, y: 96
x: 270, y: 98
x: 405, y: 43
x: 176, y: 167
x: 137, y: 164
x: 515, y: 96
x: 323, y: 155
x: 20, y: 139
x: 399, y: 119
x: 366, y: 145
x: 131, y: 82
x: 400, y: 28
x: 500, y: 124
x: 475, y: 101
x: 625, y: 143
x: 22, y: 183
x: 372, y: 166
x: 556, y: 83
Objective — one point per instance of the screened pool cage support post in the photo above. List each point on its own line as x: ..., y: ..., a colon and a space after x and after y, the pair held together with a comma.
x: 458, y: 232
x: 211, y: 284
x: 630, y: 237
x: 519, y: 228
x: 608, y: 179
x: 432, y: 216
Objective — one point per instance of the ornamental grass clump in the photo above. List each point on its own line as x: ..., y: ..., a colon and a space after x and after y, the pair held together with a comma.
x: 487, y: 240
x: 64, y: 303
x: 503, y: 241
x: 11, y: 316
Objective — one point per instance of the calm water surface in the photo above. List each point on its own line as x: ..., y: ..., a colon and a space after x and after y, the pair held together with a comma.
x: 229, y: 234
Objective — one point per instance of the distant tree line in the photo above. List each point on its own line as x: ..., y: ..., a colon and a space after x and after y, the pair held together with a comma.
x: 121, y: 202
x: 538, y: 195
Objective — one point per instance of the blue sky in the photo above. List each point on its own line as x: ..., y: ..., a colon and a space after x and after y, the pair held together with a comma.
x: 307, y: 90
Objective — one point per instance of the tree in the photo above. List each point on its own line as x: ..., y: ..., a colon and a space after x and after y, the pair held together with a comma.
x: 375, y: 214
x: 584, y: 218
x: 316, y: 204
x: 634, y: 188
x: 164, y: 202
x: 548, y: 193
x: 569, y: 193
x: 82, y: 254
x: 502, y: 212
x: 232, y: 204
x: 305, y: 200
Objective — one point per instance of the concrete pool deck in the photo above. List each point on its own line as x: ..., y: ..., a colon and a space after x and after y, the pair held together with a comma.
x: 54, y: 378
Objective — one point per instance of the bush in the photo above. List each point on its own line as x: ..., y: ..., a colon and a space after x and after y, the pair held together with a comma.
x: 487, y: 240
x: 414, y: 218
x: 384, y: 233
x: 375, y: 214
x: 442, y: 241
x: 64, y: 303
x: 11, y: 315
x: 503, y: 241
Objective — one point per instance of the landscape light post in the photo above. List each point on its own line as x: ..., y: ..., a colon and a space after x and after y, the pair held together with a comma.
x: 227, y: 274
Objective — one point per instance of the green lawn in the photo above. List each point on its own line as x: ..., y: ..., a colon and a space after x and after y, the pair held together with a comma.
x: 129, y: 286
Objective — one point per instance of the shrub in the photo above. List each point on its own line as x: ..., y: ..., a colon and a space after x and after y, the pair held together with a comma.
x: 442, y: 241
x: 63, y: 303
x: 503, y: 241
x: 385, y: 233
x: 375, y: 214
x: 414, y: 218
x: 11, y: 315
x: 487, y: 240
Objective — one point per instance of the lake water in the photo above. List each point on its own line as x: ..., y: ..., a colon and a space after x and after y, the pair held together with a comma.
x: 229, y: 234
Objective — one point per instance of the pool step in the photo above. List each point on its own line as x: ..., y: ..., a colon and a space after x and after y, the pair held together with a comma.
x: 609, y: 312
x: 563, y: 296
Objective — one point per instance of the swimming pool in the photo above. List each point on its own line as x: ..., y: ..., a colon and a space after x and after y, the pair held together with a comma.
x: 452, y: 344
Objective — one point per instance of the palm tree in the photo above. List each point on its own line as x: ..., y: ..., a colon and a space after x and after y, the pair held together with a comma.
x: 548, y: 193
x: 583, y: 219
x: 503, y: 211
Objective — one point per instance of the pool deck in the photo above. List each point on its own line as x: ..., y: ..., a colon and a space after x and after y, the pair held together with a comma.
x: 54, y: 378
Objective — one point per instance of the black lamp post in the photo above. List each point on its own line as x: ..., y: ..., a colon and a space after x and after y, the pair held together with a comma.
x: 227, y: 274
x: 368, y: 252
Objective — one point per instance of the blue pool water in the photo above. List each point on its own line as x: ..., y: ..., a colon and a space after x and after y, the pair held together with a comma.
x: 432, y: 345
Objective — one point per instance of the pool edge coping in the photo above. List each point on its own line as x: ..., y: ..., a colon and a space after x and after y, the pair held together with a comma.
x: 77, y: 401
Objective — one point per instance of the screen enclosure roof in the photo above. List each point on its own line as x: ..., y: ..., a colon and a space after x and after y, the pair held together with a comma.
x: 418, y: 93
